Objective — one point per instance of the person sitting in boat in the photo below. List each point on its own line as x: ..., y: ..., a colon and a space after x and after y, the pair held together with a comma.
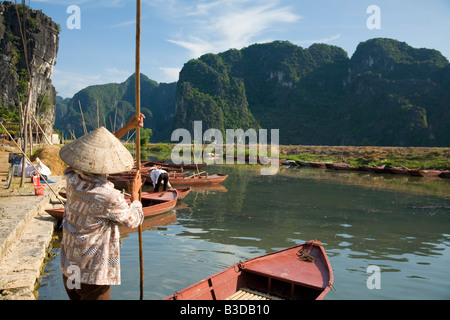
x: 90, y: 247
x: 159, y: 175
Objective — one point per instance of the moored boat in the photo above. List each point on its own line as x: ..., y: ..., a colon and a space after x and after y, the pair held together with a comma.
x: 296, y: 273
x: 397, y: 170
x: 445, y: 174
x: 376, y: 169
x: 318, y: 164
x: 290, y: 163
x: 344, y: 166
x: 197, y: 179
x: 58, y: 214
x: 120, y: 179
x: 425, y: 172
x: 183, y: 193
x: 153, y: 203
x: 173, y: 166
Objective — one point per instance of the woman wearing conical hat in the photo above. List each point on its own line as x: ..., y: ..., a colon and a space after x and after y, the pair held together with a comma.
x: 90, y: 253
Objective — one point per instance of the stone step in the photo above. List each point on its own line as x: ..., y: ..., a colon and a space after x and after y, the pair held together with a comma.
x: 25, y: 233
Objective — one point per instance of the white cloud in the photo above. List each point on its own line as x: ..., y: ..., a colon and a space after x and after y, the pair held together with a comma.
x: 124, y: 24
x: 170, y: 74
x: 325, y: 40
x: 63, y: 2
x: 224, y: 24
x: 67, y: 83
x: 196, y: 46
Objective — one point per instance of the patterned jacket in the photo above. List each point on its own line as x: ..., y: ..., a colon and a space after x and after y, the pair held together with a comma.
x: 91, y: 237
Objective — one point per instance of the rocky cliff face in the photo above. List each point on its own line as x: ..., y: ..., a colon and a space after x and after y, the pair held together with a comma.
x: 42, y: 47
x: 387, y: 93
x: 116, y: 104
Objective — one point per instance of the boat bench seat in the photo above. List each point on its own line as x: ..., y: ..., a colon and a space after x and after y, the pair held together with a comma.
x: 247, y: 294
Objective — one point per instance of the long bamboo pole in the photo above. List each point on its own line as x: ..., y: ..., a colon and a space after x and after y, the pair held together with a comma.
x: 137, y: 87
x: 82, y: 117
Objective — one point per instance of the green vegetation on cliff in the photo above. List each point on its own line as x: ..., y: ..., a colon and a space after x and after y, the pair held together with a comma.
x: 386, y: 94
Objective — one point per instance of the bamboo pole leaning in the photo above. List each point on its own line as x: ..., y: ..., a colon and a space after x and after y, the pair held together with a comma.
x: 137, y: 87
x: 36, y: 170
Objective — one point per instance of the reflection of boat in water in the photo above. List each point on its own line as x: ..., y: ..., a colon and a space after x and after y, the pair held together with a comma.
x: 181, y: 205
x: 296, y: 273
x: 209, y: 187
x: 151, y: 222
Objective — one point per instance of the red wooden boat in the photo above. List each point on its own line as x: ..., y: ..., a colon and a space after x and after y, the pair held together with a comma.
x: 318, y: 164
x: 424, y: 173
x: 120, y: 179
x: 344, y: 166
x: 197, y: 179
x: 183, y: 193
x: 377, y: 169
x: 171, y: 166
x: 56, y: 213
x: 153, y: 203
x: 397, y: 170
x: 296, y: 273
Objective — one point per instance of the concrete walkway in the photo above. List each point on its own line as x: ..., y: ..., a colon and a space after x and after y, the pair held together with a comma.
x: 26, y: 231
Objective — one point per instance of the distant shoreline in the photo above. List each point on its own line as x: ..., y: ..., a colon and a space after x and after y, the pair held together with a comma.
x: 411, y: 157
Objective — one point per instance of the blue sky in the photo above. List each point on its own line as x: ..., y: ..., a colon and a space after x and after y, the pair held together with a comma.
x: 175, y: 31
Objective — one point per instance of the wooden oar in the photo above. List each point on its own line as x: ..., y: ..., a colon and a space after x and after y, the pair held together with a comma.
x: 137, y: 87
x: 196, y: 174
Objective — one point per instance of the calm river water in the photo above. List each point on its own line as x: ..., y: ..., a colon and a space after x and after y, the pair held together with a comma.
x: 398, y: 224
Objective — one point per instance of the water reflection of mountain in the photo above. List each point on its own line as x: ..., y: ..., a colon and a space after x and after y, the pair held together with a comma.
x: 270, y: 212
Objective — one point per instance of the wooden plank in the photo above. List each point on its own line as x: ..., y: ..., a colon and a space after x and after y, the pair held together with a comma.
x: 247, y: 294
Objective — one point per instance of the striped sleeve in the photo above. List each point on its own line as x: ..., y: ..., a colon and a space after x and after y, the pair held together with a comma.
x: 130, y: 215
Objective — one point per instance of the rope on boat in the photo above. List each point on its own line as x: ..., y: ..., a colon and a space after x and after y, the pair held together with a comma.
x: 305, y: 256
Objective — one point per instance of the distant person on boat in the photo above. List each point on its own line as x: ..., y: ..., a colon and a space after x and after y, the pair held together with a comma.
x: 159, y: 175
x: 90, y: 247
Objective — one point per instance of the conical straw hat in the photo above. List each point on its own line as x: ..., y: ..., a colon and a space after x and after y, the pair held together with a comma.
x: 98, y: 152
